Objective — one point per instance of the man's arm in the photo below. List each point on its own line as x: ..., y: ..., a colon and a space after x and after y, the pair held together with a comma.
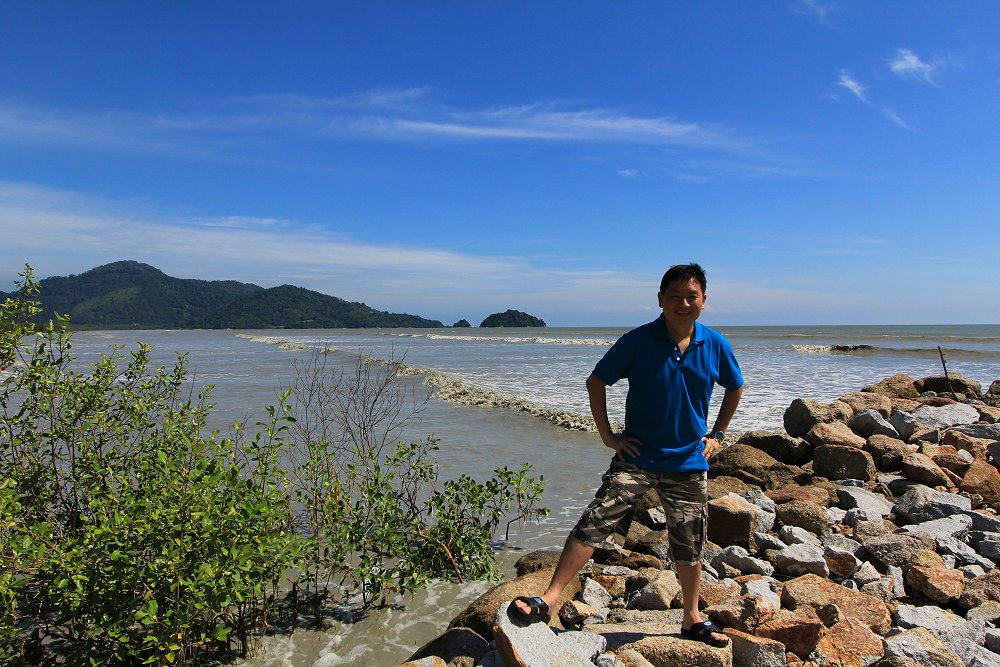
x: 730, y: 401
x: 598, y: 394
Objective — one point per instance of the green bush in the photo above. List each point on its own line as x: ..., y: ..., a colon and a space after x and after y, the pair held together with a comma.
x: 129, y: 534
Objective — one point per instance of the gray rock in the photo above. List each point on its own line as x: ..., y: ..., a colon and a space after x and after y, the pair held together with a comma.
x: 984, y: 522
x: 835, y: 515
x: 956, y: 526
x: 850, y: 497
x: 618, y: 571
x: 844, y: 543
x: 765, y: 508
x: 866, y: 574
x: 803, y: 414
x: 944, y: 416
x: 795, y: 535
x: 768, y: 541
x: 739, y: 558
x: 747, y: 653
x: 904, y: 423
x: 869, y: 423
x: 533, y: 644
x: 922, y: 646
x: 898, y: 581
x: 960, y: 635
x: 594, y: 594
x: 988, y: 612
x: 993, y: 640
x: 993, y: 451
x: 798, y: 559
x: 762, y: 588
x: 989, y: 549
x: 894, y: 549
x: 589, y: 644
x: 608, y: 660
x: 852, y: 517
x: 987, y: 431
x: 965, y: 554
x: 973, y: 571
x: 658, y: 594
x: 921, y: 503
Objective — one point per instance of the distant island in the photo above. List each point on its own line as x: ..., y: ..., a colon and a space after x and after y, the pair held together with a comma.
x: 512, y: 318
x: 133, y: 295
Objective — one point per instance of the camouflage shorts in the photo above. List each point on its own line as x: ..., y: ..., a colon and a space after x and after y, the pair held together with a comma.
x: 684, y: 496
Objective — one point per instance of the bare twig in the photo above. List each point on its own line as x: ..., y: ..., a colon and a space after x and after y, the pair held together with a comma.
x: 946, y: 376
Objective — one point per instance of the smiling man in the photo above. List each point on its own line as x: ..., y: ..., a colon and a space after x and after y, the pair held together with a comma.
x: 672, y: 365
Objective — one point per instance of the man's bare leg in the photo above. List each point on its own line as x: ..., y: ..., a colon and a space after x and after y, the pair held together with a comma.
x: 574, y: 556
x: 689, y: 577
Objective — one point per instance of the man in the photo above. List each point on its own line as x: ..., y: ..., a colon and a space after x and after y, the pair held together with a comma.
x: 672, y: 365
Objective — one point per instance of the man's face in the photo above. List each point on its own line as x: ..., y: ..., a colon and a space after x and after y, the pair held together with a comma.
x: 682, y: 302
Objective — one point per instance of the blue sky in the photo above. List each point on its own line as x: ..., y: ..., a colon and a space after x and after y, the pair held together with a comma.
x: 827, y: 162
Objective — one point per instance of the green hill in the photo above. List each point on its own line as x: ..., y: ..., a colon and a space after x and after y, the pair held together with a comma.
x: 512, y: 318
x: 132, y: 295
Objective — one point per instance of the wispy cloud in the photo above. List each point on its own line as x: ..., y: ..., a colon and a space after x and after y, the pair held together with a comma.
x: 908, y: 65
x: 381, y: 115
x: 895, y: 118
x: 819, y: 9
x: 847, y: 81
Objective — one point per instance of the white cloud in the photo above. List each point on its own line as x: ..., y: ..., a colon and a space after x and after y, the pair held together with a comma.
x: 895, y: 118
x: 820, y: 9
x: 629, y: 173
x: 847, y: 81
x: 908, y: 65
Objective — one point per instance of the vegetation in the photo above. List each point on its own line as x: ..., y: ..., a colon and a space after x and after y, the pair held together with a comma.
x: 462, y: 323
x: 129, y: 535
x: 133, y: 295
x: 512, y: 318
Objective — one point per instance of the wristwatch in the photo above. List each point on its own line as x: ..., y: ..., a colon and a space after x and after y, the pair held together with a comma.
x: 717, y: 435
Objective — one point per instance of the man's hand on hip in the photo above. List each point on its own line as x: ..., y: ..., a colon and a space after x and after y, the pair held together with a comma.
x: 623, y: 444
x: 712, y: 446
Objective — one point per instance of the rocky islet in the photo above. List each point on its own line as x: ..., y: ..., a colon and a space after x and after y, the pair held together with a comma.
x: 866, y: 532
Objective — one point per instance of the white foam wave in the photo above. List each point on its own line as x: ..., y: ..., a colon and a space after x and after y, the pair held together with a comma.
x: 545, y: 340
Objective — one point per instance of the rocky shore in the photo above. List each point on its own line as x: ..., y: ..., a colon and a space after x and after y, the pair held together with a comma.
x: 866, y: 532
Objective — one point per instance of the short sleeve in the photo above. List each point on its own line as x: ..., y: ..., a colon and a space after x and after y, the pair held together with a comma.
x: 615, y: 363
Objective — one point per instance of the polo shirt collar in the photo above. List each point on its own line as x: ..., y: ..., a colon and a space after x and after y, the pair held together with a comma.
x: 660, y: 331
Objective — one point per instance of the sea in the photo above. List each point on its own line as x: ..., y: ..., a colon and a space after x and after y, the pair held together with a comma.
x: 502, y: 397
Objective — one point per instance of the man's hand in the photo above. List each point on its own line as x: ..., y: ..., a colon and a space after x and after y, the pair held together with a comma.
x: 712, y: 445
x: 624, y: 445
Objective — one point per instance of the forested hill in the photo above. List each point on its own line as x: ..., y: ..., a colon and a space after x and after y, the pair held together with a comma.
x: 132, y: 295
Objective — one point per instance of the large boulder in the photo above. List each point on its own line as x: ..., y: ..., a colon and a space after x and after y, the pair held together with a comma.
x: 810, y: 516
x: 454, y: 643
x: 921, y: 468
x: 897, y: 386
x: 843, y: 462
x: 923, y: 647
x: 866, y: 400
x: 534, y: 644
x: 896, y: 550
x: 887, y: 453
x: 481, y: 614
x: 980, y: 590
x: 745, y: 463
x: 849, y: 643
x: 944, y: 416
x: 870, y: 422
x: 813, y: 591
x: 984, y: 479
x: 945, y: 384
x: 803, y: 414
x: 833, y: 433
x: 921, y: 504
x: 732, y: 520
x: 780, y: 446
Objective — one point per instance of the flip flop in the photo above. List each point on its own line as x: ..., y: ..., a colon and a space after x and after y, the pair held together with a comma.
x: 538, y: 610
x: 702, y: 632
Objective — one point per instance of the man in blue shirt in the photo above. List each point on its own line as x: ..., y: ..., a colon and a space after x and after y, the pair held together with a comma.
x: 672, y: 364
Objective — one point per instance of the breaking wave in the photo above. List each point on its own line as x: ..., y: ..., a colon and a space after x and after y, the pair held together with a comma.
x: 509, y: 339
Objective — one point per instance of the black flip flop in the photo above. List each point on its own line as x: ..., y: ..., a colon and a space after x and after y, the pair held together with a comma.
x: 702, y: 632
x: 538, y: 610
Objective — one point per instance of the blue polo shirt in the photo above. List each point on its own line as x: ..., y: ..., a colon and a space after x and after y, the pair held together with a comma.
x: 669, y: 393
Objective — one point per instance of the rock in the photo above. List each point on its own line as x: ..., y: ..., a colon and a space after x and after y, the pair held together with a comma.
x: 778, y: 445
x: 804, y: 515
x: 717, y: 592
x: 429, y: 661
x: 894, y: 550
x: 798, y: 630
x: 963, y: 553
x: 738, y: 558
x: 744, y: 613
x: 956, y: 414
x: 833, y: 433
x: 452, y: 644
x: 594, y: 594
x: 841, y: 564
x: 888, y: 453
x: 922, y: 646
x: 799, y: 559
x: 751, y: 651
x: 832, y: 540
x: 576, y: 612
x: 873, y: 504
x: 961, y: 636
x: 612, y: 583
x: 921, y: 504
x: 988, y: 414
x: 967, y: 444
x: 790, y: 535
x: 663, y: 592
x: 479, y: 616
x: 536, y: 560
x: 849, y: 643
x: 809, y: 494
x: 871, y: 422
x: 803, y: 414
x: 984, y: 479
x: 632, y: 658
x: 897, y: 386
x: 988, y: 612
x: 813, y: 591
x: 668, y: 651
x: 867, y: 530
x: 940, y: 585
x: 533, y: 644
x: 945, y: 384
x: 920, y: 468
x: 732, y: 521
x: 982, y: 589
x: 866, y: 400
x: 840, y: 462
x: 743, y: 462
x: 952, y: 526
x: 955, y: 463
x: 905, y: 423
x: 724, y: 485
x: 866, y: 574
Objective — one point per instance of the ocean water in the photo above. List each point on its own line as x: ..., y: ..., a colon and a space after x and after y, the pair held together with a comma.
x: 518, y: 395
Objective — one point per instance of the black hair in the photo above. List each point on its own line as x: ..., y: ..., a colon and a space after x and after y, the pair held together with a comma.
x: 684, y: 273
